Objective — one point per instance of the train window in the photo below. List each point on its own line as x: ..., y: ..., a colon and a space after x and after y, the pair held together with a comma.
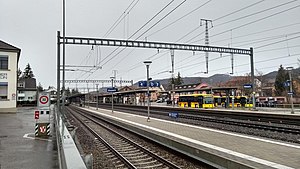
x: 208, y: 100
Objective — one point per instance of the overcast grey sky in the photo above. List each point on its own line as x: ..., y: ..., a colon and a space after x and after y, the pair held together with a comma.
x: 271, y: 27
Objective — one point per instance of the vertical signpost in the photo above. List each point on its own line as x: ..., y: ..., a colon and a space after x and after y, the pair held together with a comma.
x: 42, y: 115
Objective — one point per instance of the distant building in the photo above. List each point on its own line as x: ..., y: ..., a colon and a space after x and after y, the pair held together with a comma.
x: 53, y: 93
x: 27, y: 91
x: 9, y: 58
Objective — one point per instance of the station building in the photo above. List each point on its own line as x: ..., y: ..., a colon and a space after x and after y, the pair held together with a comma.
x: 9, y: 58
x: 27, y: 91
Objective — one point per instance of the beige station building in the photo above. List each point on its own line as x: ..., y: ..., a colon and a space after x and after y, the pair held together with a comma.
x: 9, y: 58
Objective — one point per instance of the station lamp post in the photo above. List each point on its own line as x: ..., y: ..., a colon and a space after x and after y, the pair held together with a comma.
x: 289, y: 69
x: 112, y: 94
x: 97, y: 96
x: 147, y: 63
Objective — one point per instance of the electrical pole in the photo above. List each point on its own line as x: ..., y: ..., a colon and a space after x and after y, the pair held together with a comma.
x: 291, y: 88
x: 115, y: 76
x: 88, y: 94
x: 58, y: 73
x: 64, y: 54
x: 112, y: 95
x: 206, y: 39
x: 252, y: 78
x: 173, y: 80
x: 97, y: 96
x: 231, y: 63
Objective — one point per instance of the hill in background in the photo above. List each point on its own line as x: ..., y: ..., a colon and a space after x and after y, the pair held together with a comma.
x: 223, y: 78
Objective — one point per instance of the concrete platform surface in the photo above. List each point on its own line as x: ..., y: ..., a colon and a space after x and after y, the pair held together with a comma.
x: 249, y: 150
x: 19, y: 149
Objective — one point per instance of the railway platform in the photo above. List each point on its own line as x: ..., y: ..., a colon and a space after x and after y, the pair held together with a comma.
x: 18, y: 146
x: 219, y: 148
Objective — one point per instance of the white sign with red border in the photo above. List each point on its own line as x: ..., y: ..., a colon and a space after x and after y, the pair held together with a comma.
x: 43, y: 99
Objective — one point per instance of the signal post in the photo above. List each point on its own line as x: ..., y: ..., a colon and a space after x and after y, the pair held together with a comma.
x: 42, y: 115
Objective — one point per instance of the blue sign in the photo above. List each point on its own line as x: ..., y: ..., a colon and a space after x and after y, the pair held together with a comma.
x: 112, y: 89
x: 287, y: 83
x: 151, y: 84
x: 247, y: 86
x: 290, y: 93
x: 174, y: 115
x: 154, y: 84
x: 142, y: 83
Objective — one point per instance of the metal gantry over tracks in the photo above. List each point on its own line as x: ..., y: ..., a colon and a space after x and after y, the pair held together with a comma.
x: 153, y: 45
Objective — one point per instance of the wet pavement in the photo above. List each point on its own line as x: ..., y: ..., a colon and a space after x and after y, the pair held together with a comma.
x: 19, y: 149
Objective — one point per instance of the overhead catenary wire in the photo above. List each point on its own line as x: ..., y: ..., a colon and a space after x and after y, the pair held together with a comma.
x: 197, y: 63
x: 158, y: 21
x: 187, y: 14
x: 239, y: 10
x: 256, y: 62
x: 272, y: 67
x: 221, y: 17
x: 121, y: 17
x: 152, y: 27
x: 144, y: 32
x: 264, y: 39
x: 255, y: 13
x: 258, y: 32
x: 276, y: 42
x: 257, y: 20
x: 118, y: 21
x: 141, y: 65
x: 251, y: 22
x: 162, y: 18
x: 133, y: 35
x: 273, y: 49
x: 151, y: 18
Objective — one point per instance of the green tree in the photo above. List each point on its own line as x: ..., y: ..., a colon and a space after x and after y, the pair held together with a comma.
x: 281, y: 78
x: 176, y: 81
x: 28, y: 72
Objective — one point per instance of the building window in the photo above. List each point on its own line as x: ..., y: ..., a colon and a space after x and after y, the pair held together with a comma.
x: 3, y: 75
x: 3, y: 90
x: 3, y: 62
x: 21, y: 84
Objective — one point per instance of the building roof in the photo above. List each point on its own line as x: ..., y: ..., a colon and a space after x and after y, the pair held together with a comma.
x: 30, y: 83
x: 9, y: 48
x: 205, y: 89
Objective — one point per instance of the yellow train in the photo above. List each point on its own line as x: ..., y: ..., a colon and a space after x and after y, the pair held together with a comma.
x: 196, y: 101
x: 239, y: 101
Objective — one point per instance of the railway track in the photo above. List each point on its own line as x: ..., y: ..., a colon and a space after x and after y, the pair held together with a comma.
x: 123, y: 151
x: 284, y: 129
x: 248, y: 124
x: 193, y: 118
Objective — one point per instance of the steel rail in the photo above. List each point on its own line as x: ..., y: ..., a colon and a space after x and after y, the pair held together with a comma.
x: 160, y: 159
x: 120, y: 156
x: 228, y: 119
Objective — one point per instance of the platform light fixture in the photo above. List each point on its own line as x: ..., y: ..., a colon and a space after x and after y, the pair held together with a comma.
x: 97, y: 96
x: 289, y: 69
x: 147, y: 63
x: 112, y: 94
